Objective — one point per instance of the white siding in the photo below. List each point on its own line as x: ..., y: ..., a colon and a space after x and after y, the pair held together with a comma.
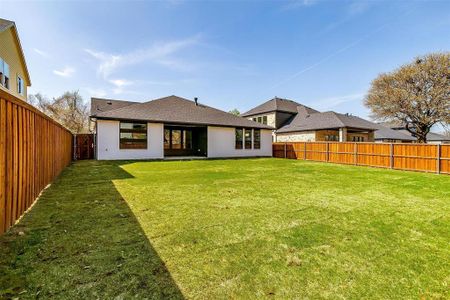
x: 307, y: 136
x: 108, y: 142
x: 221, y: 143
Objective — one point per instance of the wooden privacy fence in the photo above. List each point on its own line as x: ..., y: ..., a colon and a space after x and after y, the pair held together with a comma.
x: 412, y: 157
x: 34, y: 149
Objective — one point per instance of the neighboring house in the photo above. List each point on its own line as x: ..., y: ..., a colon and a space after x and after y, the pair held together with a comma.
x: 295, y: 122
x: 387, y: 135
x: 174, y: 126
x: 432, y: 138
x: 14, y: 77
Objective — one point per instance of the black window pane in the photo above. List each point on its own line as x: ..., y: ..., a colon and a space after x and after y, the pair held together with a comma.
x: 257, y: 139
x: 176, y: 139
x: 248, y: 138
x: 239, y: 138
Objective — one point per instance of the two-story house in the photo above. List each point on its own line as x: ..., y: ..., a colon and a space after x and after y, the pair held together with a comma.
x: 295, y: 122
x: 14, y: 76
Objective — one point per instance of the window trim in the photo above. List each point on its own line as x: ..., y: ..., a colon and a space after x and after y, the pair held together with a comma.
x: 124, y: 130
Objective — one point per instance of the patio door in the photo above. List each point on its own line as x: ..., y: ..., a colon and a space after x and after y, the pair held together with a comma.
x: 184, y: 141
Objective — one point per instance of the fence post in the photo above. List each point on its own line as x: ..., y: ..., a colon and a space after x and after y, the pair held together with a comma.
x: 355, y: 154
x: 391, y: 156
x: 304, y: 151
x: 285, y: 150
x: 438, y: 159
x: 328, y: 152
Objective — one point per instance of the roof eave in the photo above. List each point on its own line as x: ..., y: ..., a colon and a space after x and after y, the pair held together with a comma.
x: 179, y: 122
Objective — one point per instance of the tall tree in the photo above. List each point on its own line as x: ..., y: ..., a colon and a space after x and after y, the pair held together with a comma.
x: 68, y: 109
x: 416, y: 94
x: 235, y: 112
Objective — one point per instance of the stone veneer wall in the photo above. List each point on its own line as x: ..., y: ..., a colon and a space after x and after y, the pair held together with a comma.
x: 306, y: 136
x: 271, y: 121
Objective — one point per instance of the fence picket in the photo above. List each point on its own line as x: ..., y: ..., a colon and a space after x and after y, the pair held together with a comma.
x: 413, y: 157
x: 33, y: 150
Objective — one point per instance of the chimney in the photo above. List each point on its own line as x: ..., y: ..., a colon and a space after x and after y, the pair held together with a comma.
x: 196, y: 101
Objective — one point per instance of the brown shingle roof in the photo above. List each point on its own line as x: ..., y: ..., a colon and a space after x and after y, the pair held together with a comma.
x: 280, y: 105
x: 99, y: 105
x: 326, y: 120
x: 173, y: 109
x: 386, y: 133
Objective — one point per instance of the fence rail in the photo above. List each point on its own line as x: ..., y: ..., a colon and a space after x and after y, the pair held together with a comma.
x: 412, y: 157
x: 34, y: 149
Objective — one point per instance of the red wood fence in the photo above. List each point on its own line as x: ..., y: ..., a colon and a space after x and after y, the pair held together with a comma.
x: 34, y: 149
x: 412, y: 157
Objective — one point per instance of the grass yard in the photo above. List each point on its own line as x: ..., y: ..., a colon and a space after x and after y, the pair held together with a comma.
x: 232, y: 229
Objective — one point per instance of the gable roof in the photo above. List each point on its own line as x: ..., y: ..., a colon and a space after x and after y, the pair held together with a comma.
x: 173, y: 109
x: 386, y: 133
x: 325, y: 120
x: 5, y: 25
x: 279, y: 105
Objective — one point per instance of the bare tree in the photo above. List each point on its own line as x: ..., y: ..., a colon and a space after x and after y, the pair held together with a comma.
x: 68, y: 109
x: 416, y: 94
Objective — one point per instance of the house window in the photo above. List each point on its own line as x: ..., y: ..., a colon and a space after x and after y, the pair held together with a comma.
x: 238, y: 138
x: 259, y: 119
x: 331, y: 138
x: 187, y: 139
x: 19, y: 85
x: 248, y: 138
x: 358, y: 139
x: 255, y: 119
x: 264, y: 120
x: 133, y: 135
x: 4, y: 73
x: 257, y: 138
x: 176, y: 139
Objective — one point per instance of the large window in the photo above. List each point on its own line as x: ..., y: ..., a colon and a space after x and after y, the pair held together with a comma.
x: 239, y: 138
x: 133, y: 135
x: 4, y: 74
x: 256, y: 138
x: 248, y: 138
x: 264, y: 120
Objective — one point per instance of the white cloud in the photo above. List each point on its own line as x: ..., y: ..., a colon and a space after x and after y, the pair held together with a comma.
x: 160, y: 53
x: 331, y: 102
x: 41, y: 53
x: 293, y: 4
x: 95, y: 92
x: 66, y: 72
x: 359, y: 7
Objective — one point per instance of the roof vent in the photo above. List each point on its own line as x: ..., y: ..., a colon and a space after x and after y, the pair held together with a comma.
x: 109, y: 103
x: 196, y: 101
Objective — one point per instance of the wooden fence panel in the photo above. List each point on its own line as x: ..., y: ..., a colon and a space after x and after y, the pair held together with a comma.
x: 445, y: 159
x: 33, y: 150
x: 413, y: 157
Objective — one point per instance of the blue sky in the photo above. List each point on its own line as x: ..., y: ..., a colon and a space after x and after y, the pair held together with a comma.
x: 230, y: 54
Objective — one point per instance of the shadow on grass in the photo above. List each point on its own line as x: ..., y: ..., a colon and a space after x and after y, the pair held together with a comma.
x: 81, y: 240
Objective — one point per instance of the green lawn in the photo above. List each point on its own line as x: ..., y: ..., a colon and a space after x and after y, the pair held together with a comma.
x: 232, y: 229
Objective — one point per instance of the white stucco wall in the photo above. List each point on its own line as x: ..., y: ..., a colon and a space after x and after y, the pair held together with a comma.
x: 306, y: 136
x: 221, y: 143
x: 108, y: 142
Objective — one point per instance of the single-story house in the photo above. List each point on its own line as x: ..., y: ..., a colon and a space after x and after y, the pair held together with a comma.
x: 174, y: 126
x: 432, y: 137
x: 387, y: 135
x: 295, y: 122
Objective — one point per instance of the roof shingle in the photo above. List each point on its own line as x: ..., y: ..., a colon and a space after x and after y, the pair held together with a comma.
x: 280, y: 105
x: 173, y: 109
